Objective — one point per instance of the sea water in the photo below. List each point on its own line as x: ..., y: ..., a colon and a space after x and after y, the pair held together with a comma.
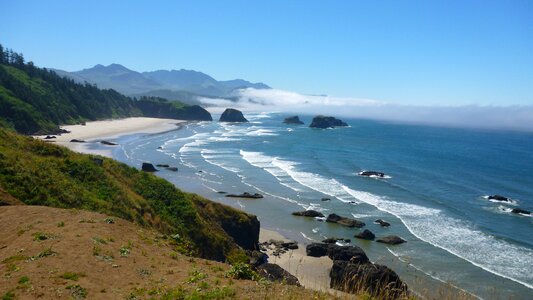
x: 434, y: 194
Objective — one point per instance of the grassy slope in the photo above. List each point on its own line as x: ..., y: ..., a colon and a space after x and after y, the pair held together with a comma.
x: 40, y: 173
x: 92, y: 258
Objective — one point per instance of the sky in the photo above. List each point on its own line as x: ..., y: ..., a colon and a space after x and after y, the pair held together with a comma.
x: 423, y: 53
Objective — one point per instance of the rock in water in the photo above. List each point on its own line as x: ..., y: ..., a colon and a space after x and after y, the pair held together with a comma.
x: 232, y: 115
x: 372, y: 173
x: 77, y: 141
x: 499, y: 198
x: 520, y: 211
x: 148, y: 167
x: 308, y: 213
x: 366, y: 235
x: 245, y: 195
x: 163, y: 165
x: 274, y: 272
x: 173, y: 169
x: 382, y: 223
x: 391, y: 240
x: 334, y: 218
x: 293, y: 120
x: 376, y: 280
x: 108, y: 143
x: 326, y: 122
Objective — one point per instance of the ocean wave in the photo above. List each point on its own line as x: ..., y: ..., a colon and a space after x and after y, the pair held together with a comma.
x: 261, y: 132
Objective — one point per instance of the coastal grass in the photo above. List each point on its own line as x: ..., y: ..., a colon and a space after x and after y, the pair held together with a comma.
x: 40, y: 173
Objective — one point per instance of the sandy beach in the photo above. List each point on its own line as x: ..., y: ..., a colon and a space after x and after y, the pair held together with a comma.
x: 94, y: 132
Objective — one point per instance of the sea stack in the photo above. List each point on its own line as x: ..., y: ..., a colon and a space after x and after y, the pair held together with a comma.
x: 232, y: 115
x: 326, y: 122
x: 293, y: 120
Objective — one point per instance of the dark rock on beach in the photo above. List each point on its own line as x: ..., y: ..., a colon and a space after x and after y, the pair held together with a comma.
x: 293, y: 120
x: 372, y: 173
x: 273, y: 272
x: 520, y: 211
x: 366, y: 235
x: 148, y: 167
x: 347, y: 253
x: 326, y: 122
x: 308, y: 213
x: 382, y: 223
x: 376, y: 280
x: 278, y: 247
x: 317, y: 249
x: 499, y: 198
x: 173, y: 169
x: 334, y: 218
x: 245, y: 195
x: 232, y: 115
x: 77, y: 141
x: 391, y: 240
x: 50, y: 137
x: 108, y: 143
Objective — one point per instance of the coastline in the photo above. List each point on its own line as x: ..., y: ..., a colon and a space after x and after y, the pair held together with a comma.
x: 95, y: 131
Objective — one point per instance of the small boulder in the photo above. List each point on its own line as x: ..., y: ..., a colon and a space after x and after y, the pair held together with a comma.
x: 77, y: 141
x: 382, y: 223
x: 148, y: 167
x: 325, y: 199
x: 291, y: 245
x: 273, y: 272
x: 366, y: 235
x: 316, y: 249
x: 372, y: 174
x: 308, y: 213
x: 162, y: 165
x: 232, y: 115
x: 391, y: 240
x: 173, y: 169
x: 108, y: 143
x: 326, y: 122
x: 50, y: 137
x: 347, y: 253
x: 292, y: 120
x: 520, y: 211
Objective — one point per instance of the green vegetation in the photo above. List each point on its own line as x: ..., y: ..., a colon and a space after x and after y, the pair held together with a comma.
x: 36, y: 101
x: 40, y: 173
x: 71, y: 276
x: 24, y: 280
x: 8, y: 296
x: 242, y: 271
x: 77, y: 292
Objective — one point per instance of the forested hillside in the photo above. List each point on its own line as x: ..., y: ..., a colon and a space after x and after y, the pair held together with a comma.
x: 35, y: 100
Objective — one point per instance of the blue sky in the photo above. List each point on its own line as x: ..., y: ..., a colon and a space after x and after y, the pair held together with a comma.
x: 404, y: 52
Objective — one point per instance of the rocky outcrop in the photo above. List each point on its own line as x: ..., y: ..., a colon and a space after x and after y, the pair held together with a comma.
x: 366, y: 235
x: 308, y: 213
x: 326, y: 122
x: 273, y: 272
x: 391, y: 240
x: 334, y: 218
x: 520, y: 211
x: 148, y: 167
x: 245, y: 195
x: 372, y: 174
x: 232, y: 115
x: 293, y: 120
x: 77, y: 141
x: 376, y: 280
x: 154, y: 107
x: 382, y: 223
x: 499, y: 198
x: 278, y: 247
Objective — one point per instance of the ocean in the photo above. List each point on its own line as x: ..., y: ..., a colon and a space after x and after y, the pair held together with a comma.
x: 434, y: 195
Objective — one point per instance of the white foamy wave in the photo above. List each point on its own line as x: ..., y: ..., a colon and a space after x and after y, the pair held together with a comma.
x: 459, y: 238
x: 261, y: 132
x: 308, y: 238
x: 315, y: 230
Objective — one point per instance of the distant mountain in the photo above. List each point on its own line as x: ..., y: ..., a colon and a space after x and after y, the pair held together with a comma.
x: 189, y: 83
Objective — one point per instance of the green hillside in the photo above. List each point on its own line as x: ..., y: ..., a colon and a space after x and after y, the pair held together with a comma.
x: 36, y: 101
x: 39, y: 173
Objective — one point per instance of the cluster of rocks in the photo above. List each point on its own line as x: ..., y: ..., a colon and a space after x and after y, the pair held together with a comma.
x: 352, y: 271
x: 246, y: 195
x: 148, y: 167
x: 509, y: 200
x: 308, y: 213
x: 278, y: 247
x: 334, y: 218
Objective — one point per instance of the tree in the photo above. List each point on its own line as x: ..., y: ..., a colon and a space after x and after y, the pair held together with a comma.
x: 2, y: 55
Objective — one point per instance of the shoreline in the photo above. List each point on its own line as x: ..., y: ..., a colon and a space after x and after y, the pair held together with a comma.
x: 95, y: 131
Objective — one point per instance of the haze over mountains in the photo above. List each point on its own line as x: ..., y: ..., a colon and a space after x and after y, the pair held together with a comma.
x: 185, y: 85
